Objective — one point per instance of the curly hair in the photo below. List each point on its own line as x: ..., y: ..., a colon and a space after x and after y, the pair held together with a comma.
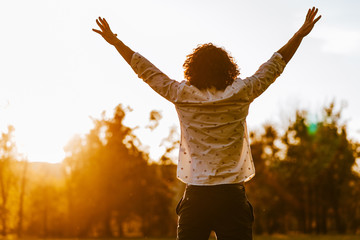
x: 210, y: 66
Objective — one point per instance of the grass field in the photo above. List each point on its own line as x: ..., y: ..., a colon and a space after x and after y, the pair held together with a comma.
x: 308, y: 237
x: 280, y: 237
x: 277, y: 237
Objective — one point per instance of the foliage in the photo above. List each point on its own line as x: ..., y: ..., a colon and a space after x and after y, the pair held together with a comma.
x: 8, y: 179
x: 312, y: 187
x: 110, y: 182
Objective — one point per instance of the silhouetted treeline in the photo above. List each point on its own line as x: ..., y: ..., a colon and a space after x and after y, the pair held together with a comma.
x: 109, y: 181
x: 305, y: 179
x: 107, y: 187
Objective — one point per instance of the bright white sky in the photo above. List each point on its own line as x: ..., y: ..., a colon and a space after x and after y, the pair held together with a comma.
x: 56, y: 73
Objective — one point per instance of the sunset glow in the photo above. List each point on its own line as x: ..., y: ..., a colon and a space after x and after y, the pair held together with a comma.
x: 57, y: 74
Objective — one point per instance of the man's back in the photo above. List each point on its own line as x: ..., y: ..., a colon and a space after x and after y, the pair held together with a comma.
x: 214, y: 145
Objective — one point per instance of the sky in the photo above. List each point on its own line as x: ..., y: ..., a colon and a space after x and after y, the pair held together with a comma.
x: 56, y: 75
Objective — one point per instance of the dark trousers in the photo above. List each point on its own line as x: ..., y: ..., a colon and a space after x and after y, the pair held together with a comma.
x: 223, y: 209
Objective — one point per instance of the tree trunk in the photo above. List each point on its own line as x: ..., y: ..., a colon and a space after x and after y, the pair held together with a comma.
x: 45, y: 213
x: 324, y: 213
x: 3, y: 211
x: 107, y: 224
x: 302, y: 212
x: 21, y: 200
x: 340, y: 226
x: 309, y: 209
x: 4, y: 227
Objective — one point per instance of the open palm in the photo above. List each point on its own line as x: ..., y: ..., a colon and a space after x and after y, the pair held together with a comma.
x: 309, y: 22
x: 106, y: 32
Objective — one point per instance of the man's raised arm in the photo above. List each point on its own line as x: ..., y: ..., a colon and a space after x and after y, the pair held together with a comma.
x: 289, y: 49
x: 145, y: 70
x: 111, y: 38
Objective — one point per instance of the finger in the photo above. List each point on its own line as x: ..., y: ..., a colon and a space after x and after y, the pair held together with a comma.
x: 103, y: 23
x: 106, y: 23
x: 316, y: 10
x: 317, y: 19
x: 314, y: 14
x: 97, y: 31
x: 99, y: 24
x: 308, y: 13
x: 311, y: 11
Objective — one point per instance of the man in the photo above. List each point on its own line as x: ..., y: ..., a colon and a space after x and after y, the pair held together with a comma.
x: 212, y: 105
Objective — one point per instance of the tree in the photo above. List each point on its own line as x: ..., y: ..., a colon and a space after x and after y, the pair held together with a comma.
x: 318, y: 170
x: 266, y: 191
x: 110, y: 181
x: 7, y: 177
x: 23, y: 183
x: 305, y: 180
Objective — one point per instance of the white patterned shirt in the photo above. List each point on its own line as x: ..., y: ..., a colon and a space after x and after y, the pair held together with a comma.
x: 214, y: 145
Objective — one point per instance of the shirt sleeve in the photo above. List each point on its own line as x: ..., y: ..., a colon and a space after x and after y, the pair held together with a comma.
x: 264, y: 76
x: 156, y: 79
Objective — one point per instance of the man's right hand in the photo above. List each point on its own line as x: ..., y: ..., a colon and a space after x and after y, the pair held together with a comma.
x: 289, y: 49
x: 309, y: 22
x: 106, y: 32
